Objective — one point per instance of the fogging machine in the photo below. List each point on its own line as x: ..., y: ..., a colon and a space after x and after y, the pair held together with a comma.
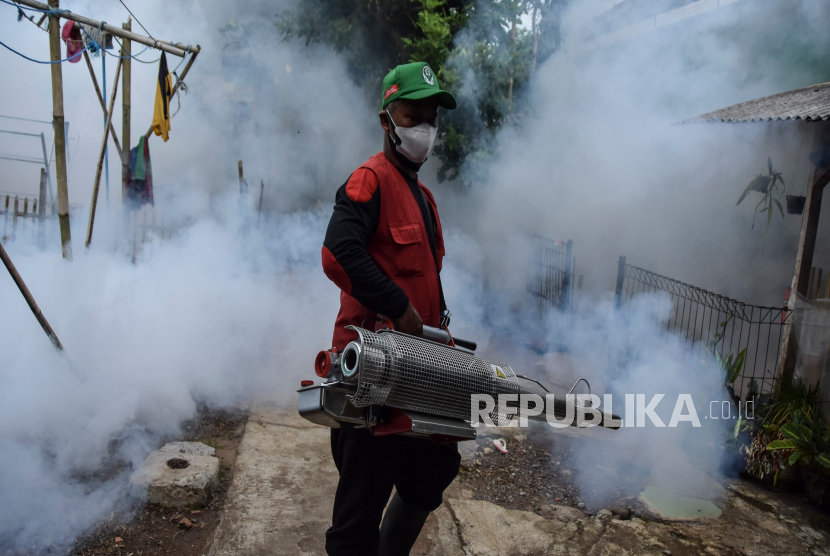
x: 394, y: 383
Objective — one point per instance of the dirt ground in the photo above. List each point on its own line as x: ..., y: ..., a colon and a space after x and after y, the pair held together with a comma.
x: 524, y: 502
x: 153, y: 530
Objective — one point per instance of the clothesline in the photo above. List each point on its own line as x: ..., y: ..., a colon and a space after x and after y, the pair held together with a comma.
x: 41, y: 61
x: 16, y: 5
x: 104, y: 50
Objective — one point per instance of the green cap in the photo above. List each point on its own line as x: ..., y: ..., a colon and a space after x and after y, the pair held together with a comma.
x: 414, y: 81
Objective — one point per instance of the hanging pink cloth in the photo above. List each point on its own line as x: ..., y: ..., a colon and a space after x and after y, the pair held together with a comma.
x: 74, y: 45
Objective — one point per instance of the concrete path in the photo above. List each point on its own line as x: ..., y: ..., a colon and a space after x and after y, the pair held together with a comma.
x: 283, y: 485
x: 284, y: 482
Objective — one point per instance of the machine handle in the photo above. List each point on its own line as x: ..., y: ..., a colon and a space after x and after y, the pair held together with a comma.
x: 466, y: 344
x: 441, y: 336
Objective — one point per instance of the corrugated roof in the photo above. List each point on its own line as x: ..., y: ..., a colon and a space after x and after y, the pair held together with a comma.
x: 809, y: 104
x: 628, y: 12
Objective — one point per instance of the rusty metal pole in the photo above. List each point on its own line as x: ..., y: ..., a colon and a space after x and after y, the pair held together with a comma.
x: 59, y: 130
x: 27, y: 295
x: 804, y: 255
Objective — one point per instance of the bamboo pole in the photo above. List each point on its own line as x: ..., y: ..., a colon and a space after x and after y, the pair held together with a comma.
x: 41, y: 208
x: 126, y: 108
x: 181, y: 80
x: 261, y: 192
x: 176, y: 49
x: 512, y: 54
x: 27, y: 295
x: 101, y: 100
x: 59, y: 130
x: 99, y: 168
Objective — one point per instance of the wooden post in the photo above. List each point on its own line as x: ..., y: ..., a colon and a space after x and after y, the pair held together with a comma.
x: 6, y: 218
x: 804, y: 255
x: 41, y: 208
x: 566, y: 278
x: 59, y: 130
x: 620, y: 282
x: 126, y: 108
x: 14, y: 218
x: 27, y: 295
x: 812, y: 282
x: 99, y: 168
x: 261, y: 192
x: 512, y: 53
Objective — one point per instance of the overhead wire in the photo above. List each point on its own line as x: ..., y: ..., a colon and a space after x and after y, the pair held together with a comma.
x: 181, y: 86
x: 19, y: 9
x: 136, y: 19
x: 16, y: 5
x: 41, y: 61
x: 133, y: 56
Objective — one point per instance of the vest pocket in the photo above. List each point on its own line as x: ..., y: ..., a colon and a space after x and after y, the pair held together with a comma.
x: 408, y: 249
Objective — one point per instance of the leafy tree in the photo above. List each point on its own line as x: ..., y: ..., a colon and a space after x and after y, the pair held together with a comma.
x: 477, y: 48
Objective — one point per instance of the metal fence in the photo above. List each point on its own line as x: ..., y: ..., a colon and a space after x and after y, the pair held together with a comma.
x: 143, y: 225
x: 22, y: 218
x: 698, y: 315
x: 552, y: 286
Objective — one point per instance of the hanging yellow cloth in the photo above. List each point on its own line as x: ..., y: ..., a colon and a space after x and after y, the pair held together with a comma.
x: 164, y: 90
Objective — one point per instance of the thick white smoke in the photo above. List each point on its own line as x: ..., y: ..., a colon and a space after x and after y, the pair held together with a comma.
x: 226, y: 310
x: 598, y: 159
x: 233, y: 306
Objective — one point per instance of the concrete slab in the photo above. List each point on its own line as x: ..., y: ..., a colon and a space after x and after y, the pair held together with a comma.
x: 283, y: 487
x: 284, y: 482
x: 180, y: 475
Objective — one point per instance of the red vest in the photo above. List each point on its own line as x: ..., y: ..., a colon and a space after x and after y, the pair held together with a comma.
x: 400, y: 248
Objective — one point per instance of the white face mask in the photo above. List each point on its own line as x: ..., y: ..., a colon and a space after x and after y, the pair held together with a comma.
x: 415, y: 143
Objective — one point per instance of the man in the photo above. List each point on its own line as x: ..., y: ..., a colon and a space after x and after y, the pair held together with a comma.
x: 383, y: 248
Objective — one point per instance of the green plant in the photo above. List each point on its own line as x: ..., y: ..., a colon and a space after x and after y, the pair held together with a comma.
x: 795, y: 430
x: 760, y: 462
x: 792, y: 396
x: 773, y: 188
x: 732, y: 366
x: 805, y: 440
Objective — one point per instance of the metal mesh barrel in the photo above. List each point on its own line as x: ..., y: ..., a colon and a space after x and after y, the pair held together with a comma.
x: 400, y: 371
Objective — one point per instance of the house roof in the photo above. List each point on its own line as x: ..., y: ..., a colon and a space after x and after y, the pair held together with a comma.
x: 628, y: 12
x: 810, y: 104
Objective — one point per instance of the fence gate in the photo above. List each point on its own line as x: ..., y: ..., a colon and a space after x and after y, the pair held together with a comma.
x: 550, y: 289
x: 697, y: 316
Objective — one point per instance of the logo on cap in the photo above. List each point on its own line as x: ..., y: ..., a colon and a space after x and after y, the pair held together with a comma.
x: 390, y: 91
x: 429, y: 77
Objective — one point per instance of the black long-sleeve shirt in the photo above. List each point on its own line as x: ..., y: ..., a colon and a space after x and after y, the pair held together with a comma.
x: 354, y: 221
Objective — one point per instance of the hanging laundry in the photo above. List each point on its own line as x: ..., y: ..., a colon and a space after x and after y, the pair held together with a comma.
x: 164, y: 90
x: 139, y: 186
x: 94, y: 37
x: 74, y: 45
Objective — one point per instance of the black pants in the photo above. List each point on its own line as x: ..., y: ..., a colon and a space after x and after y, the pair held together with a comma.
x: 369, y: 467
